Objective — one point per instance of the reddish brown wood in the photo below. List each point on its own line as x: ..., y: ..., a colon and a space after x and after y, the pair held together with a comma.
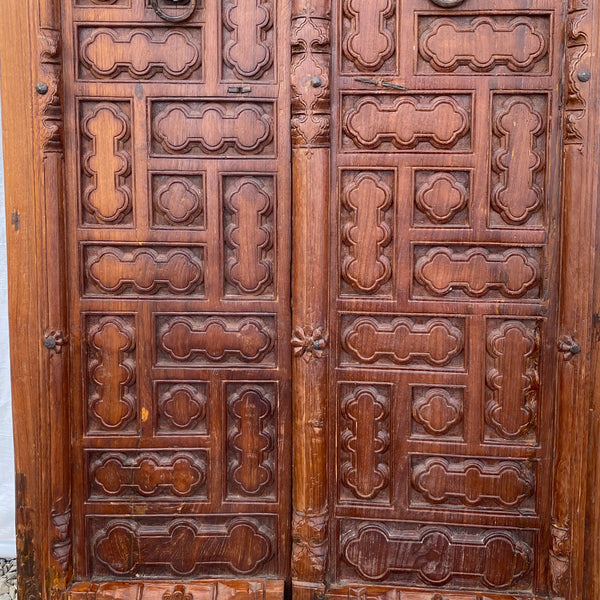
x: 440, y: 328
x: 310, y: 186
x: 380, y: 592
x: 179, y: 249
x: 55, y: 316
x: 23, y: 232
x: 573, y: 422
x: 210, y: 589
x: 443, y: 300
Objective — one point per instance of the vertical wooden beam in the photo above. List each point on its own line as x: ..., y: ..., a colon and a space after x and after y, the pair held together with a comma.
x: 310, y: 75
x: 54, y: 310
x: 32, y: 126
x: 575, y: 315
x: 18, y: 48
x: 590, y: 553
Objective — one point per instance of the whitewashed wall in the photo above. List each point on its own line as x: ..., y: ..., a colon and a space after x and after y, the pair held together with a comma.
x: 7, y: 472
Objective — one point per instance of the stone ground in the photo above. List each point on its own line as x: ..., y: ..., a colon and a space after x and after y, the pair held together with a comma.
x: 8, y: 579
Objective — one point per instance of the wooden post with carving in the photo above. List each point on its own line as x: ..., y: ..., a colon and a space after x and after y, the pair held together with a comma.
x: 33, y: 118
x: 575, y: 340
x: 310, y: 34
x: 53, y: 310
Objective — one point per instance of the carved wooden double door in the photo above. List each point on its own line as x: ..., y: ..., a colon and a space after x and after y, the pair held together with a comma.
x: 313, y: 265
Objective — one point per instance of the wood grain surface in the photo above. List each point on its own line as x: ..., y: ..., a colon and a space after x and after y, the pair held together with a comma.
x: 302, y: 298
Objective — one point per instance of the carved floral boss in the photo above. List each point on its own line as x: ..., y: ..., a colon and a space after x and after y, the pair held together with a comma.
x: 309, y: 342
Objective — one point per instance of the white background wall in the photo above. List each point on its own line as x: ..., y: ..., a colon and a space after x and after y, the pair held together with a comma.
x: 7, y: 471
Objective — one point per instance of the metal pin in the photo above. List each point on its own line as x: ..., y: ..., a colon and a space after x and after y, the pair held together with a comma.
x: 380, y: 83
x: 393, y: 85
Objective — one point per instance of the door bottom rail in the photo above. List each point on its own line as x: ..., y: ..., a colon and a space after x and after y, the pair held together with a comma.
x: 369, y: 592
x: 208, y: 589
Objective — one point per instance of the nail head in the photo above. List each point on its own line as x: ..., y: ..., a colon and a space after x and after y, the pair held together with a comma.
x: 584, y: 75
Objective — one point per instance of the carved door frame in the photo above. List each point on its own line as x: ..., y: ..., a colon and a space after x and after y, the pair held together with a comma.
x: 32, y: 121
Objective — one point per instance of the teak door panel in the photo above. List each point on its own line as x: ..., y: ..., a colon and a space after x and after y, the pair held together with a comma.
x: 444, y: 299
x: 434, y: 357
x: 406, y: 416
x: 178, y: 219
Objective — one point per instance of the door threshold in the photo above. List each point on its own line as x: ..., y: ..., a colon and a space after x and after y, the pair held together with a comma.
x: 206, y: 589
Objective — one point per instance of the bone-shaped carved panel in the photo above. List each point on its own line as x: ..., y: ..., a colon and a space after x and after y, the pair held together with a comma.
x: 111, y: 368
x: 512, y: 379
x: 251, y: 442
x: 366, y: 265
x: 106, y: 162
x: 127, y: 270
x: 248, y: 37
x: 176, y: 475
x: 216, y: 339
x: 482, y: 44
x: 405, y: 122
x: 211, y: 128
x: 504, y: 484
x: 518, y: 159
x: 364, y: 440
x: 183, y: 547
x: 402, y: 340
x: 140, y: 53
x: 437, y: 410
x: 182, y: 407
x: 477, y: 271
x: 436, y: 556
x: 369, y: 40
x: 248, y: 235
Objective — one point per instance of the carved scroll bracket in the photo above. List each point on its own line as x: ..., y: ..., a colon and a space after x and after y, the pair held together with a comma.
x: 49, y: 90
x: 310, y: 39
x: 559, y: 558
x: 577, y: 50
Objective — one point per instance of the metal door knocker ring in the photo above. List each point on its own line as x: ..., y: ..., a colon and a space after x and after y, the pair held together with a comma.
x: 175, y: 18
x: 447, y: 3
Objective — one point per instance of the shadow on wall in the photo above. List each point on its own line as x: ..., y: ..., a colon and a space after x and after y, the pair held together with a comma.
x: 7, y: 472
